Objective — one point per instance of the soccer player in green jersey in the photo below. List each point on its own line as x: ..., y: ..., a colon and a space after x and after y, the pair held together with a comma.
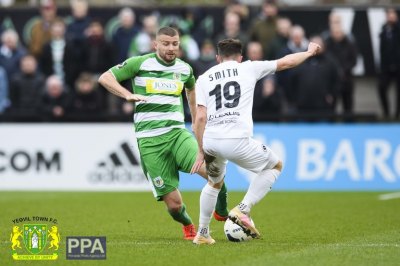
x: 165, y: 146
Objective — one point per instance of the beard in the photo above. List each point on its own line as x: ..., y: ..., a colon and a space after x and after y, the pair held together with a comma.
x: 168, y: 57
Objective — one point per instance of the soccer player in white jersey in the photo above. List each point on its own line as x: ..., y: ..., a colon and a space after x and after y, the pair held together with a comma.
x: 166, y: 147
x: 224, y: 129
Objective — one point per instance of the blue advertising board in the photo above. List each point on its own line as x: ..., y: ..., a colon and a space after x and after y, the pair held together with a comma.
x: 324, y: 157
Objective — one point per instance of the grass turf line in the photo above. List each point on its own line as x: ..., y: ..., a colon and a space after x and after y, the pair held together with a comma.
x: 298, y: 228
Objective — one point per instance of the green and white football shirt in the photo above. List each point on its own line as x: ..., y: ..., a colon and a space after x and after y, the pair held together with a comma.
x: 162, y: 84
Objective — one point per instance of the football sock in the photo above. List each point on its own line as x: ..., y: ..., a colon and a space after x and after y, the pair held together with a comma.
x: 222, y: 202
x: 181, y: 216
x: 258, y: 188
x: 208, y: 199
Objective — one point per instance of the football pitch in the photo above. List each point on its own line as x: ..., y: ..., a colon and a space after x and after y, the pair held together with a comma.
x: 298, y: 228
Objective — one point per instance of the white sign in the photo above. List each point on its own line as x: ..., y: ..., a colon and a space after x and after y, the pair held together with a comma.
x: 88, y: 157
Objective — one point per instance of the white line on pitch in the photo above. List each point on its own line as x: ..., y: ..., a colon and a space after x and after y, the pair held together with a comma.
x: 389, y: 196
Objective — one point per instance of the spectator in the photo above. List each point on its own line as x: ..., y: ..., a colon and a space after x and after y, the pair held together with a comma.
x: 41, y: 29
x: 122, y: 38
x: 87, y: 99
x: 26, y: 87
x: 239, y: 8
x: 59, y: 57
x: 297, y: 43
x: 206, y: 60
x: 390, y: 60
x: 143, y: 42
x: 11, y: 52
x: 315, y: 94
x: 193, y: 21
x: 200, y: 23
x: 99, y: 54
x: 79, y: 21
x: 183, y: 21
x: 189, y: 45
x: 232, y: 29
x: 55, y: 101
x: 267, y: 96
x: 283, y: 27
x: 263, y: 29
x: 4, y: 101
x: 343, y: 49
x: 187, y: 42
x: 125, y: 33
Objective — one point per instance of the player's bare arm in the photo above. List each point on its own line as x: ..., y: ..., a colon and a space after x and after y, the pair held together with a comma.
x: 191, y: 97
x: 293, y: 60
x: 199, y: 126
x: 108, y: 81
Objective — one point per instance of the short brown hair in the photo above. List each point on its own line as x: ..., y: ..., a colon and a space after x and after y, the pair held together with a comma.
x: 169, y: 31
x: 229, y: 47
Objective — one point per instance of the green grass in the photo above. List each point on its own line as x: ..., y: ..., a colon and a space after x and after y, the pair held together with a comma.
x: 299, y: 228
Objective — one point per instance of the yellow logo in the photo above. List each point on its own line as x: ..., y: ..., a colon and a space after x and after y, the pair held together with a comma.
x: 35, y: 237
x: 15, y: 234
x: 55, y: 235
x: 164, y: 86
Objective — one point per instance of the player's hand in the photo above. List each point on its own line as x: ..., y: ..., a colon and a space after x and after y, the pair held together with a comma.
x: 199, y: 162
x: 135, y: 98
x: 313, y: 48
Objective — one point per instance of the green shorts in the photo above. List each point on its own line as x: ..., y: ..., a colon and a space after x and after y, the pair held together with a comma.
x: 162, y: 158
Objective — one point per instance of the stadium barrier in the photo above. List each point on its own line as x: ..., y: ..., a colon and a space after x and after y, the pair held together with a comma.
x: 104, y: 157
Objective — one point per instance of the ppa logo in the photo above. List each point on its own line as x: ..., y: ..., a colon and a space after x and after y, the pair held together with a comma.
x: 86, y: 247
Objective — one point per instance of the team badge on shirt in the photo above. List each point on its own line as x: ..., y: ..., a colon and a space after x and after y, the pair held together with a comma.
x: 176, y: 76
x: 158, y: 182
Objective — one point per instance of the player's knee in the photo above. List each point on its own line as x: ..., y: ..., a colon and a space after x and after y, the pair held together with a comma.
x: 176, y: 208
x: 216, y: 182
x: 173, y: 205
x: 214, y: 172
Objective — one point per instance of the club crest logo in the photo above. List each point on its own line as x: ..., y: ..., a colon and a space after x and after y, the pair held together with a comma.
x: 35, y: 237
x: 35, y: 241
x: 176, y: 76
x: 158, y: 182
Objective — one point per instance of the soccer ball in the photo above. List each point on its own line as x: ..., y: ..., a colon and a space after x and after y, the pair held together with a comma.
x: 235, y: 233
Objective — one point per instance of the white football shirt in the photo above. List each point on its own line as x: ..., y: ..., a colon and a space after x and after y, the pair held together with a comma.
x: 227, y: 91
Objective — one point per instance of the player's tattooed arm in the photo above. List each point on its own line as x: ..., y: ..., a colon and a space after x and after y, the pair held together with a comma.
x: 108, y: 81
x: 115, y: 92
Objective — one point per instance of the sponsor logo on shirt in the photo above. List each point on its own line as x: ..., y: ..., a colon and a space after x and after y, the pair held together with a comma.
x: 212, y: 117
x: 164, y: 86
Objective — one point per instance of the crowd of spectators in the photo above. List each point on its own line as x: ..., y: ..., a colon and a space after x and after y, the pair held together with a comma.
x: 53, y: 74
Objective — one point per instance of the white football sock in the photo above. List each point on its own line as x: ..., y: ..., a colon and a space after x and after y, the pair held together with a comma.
x: 258, y: 188
x: 208, y: 200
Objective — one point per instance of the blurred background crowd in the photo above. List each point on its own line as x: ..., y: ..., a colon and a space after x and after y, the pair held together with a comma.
x: 49, y: 70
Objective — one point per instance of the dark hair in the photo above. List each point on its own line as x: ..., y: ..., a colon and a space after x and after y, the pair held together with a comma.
x: 229, y: 47
x: 169, y: 31
x: 270, y: 2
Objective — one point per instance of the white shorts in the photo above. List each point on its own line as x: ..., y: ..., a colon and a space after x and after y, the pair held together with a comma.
x: 248, y: 153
